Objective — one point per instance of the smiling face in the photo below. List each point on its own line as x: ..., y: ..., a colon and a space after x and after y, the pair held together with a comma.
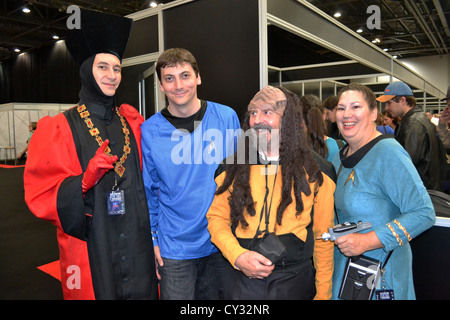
x: 355, y: 120
x: 179, y: 83
x: 266, y: 111
x: 107, y: 73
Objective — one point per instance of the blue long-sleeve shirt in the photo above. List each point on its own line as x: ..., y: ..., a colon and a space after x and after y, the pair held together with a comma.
x: 178, y: 170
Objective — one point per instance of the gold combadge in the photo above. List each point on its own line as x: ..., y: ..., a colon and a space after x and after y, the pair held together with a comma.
x: 351, y: 177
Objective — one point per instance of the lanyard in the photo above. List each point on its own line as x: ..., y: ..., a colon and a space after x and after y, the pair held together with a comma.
x: 264, y: 207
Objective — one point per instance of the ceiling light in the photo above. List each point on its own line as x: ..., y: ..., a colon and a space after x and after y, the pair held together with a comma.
x: 55, y: 37
x: 17, y: 50
x: 395, y: 57
x: 153, y: 4
x: 26, y: 10
x: 385, y: 49
x: 337, y: 14
x: 359, y: 30
x: 376, y: 40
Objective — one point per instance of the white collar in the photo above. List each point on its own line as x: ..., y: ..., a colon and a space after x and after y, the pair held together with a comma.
x: 265, y: 157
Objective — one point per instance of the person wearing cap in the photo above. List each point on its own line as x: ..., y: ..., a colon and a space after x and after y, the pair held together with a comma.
x: 182, y: 146
x: 415, y: 133
x: 84, y: 175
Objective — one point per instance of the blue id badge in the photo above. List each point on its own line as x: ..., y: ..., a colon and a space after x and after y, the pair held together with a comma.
x: 116, y: 202
x: 386, y: 294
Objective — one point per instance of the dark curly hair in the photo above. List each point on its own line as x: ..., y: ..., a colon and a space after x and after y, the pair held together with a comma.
x: 296, y: 160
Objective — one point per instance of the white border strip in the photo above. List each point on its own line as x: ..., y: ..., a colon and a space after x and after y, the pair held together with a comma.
x: 442, y: 222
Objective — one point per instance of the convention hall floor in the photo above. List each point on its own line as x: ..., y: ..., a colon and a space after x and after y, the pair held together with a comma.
x: 26, y: 243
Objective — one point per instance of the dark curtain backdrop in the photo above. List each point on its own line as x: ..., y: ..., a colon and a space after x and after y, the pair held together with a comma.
x: 225, y: 40
x: 223, y: 36
x: 47, y: 75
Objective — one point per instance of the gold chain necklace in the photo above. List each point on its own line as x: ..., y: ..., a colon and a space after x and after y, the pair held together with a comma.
x: 119, y: 168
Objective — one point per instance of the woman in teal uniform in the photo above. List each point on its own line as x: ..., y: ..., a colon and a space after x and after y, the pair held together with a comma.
x: 377, y: 183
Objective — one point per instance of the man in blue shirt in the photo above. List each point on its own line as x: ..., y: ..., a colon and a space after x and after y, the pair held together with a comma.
x: 182, y: 147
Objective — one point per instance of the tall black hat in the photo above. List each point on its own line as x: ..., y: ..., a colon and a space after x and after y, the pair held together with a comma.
x: 99, y: 33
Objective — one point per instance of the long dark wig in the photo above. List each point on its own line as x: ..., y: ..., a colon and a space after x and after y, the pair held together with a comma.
x: 295, y: 160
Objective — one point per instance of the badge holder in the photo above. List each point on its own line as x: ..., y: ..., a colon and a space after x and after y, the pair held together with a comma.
x: 384, y: 294
x: 116, y: 201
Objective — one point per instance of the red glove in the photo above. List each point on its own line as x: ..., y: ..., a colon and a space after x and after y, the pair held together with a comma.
x: 97, y: 167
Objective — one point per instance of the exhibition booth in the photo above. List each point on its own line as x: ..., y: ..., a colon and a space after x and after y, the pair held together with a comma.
x: 14, y: 121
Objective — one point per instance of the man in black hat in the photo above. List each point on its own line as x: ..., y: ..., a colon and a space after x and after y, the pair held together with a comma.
x: 84, y: 175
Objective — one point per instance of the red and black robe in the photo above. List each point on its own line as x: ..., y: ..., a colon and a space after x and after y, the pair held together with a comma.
x: 101, y: 256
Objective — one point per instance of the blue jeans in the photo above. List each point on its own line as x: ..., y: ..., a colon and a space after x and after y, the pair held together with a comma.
x: 192, y: 279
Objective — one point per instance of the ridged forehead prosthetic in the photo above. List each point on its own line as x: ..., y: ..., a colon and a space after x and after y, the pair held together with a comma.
x: 269, y: 97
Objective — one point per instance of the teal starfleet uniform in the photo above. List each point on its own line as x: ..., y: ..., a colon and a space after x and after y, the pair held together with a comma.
x: 379, y: 184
